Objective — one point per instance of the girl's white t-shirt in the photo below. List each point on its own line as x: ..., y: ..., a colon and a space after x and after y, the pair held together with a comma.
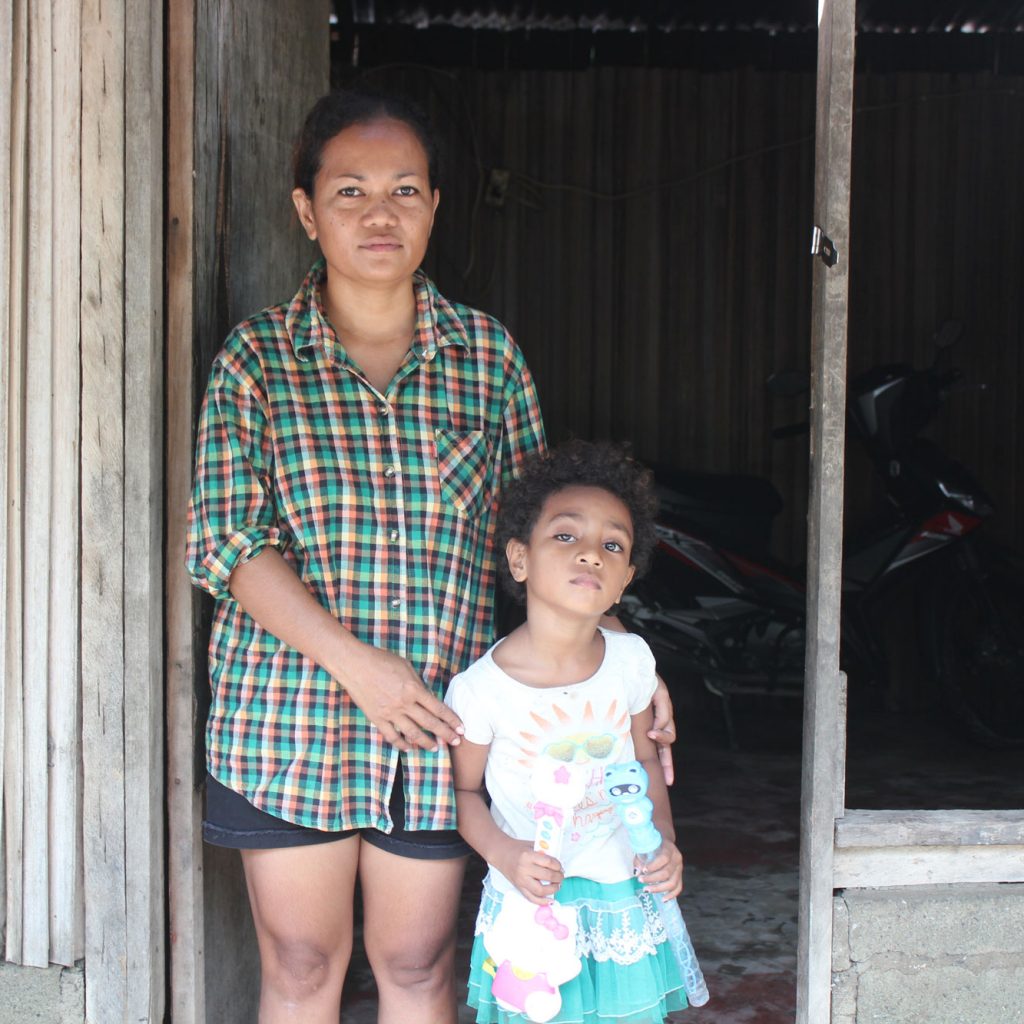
x: 585, y: 726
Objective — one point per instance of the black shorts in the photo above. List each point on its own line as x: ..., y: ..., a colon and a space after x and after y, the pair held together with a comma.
x: 230, y: 820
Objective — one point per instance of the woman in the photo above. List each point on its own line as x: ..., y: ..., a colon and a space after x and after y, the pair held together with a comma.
x: 353, y: 445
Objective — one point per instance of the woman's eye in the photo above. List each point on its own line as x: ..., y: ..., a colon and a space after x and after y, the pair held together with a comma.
x: 348, y: 191
x: 406, y: 190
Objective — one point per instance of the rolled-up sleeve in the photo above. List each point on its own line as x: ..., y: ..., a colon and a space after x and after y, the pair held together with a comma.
x: 231, y: 516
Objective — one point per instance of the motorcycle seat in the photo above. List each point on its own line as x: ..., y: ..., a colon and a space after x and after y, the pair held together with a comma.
x: 733, y: 509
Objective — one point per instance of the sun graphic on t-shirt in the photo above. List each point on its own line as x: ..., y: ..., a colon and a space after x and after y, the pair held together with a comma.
x: 572, y: 739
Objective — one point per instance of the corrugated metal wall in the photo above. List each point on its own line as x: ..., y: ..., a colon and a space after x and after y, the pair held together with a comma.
x: 650, y: 252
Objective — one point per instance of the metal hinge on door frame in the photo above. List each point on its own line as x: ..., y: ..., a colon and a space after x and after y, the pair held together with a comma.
x: 823, y: 246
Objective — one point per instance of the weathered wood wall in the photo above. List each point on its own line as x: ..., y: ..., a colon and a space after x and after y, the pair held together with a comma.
x: 82, y: 465
x: 650, y: 253
x: 39, y: 679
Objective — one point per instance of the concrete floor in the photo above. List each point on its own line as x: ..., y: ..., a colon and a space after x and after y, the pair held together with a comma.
x: 737, y: 817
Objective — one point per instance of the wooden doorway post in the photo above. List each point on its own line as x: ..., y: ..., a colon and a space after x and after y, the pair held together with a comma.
x: 824, y: 707
x: 241, y: 75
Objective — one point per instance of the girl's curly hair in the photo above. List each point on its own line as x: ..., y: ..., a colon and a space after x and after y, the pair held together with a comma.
x: 576, y: 463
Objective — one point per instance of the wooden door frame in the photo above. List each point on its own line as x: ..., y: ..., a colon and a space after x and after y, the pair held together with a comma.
x: 822, y: 776
x: 824, y: 718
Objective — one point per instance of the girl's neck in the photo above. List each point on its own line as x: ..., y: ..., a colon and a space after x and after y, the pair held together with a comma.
x: 551, y: 653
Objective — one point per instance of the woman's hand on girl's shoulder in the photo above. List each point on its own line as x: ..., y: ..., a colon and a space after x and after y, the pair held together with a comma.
x: 536, y: 875
x: 395, y: 699
x: 664, y: 872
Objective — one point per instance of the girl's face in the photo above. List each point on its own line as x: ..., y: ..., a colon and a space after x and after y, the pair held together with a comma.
x: 577, y: 558
x: 372, y: 208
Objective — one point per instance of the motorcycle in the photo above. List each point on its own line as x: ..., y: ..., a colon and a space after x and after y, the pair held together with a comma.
x: 724, y: 609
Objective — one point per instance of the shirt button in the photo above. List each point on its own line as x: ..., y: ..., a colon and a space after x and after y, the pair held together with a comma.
x: 383, y: 410
x: 428, y: 354
x: 396, y: 602
x: 390, y: 472
x: 393, y: 535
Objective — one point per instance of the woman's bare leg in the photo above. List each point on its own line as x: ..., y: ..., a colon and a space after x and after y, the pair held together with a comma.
x: 301, y: 899
x: 410, y: 909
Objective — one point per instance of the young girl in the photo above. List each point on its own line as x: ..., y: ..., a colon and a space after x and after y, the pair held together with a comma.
x: 558, y: 701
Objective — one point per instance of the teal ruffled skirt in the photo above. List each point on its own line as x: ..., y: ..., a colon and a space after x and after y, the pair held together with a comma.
x: 629, y: 973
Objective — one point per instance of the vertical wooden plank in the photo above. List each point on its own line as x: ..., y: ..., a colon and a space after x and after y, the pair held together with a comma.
x: 143, y: 511
x: 185, y: 855
x: 102, y: 249
x: 11, y: 194
x: 38, y: 455
x: 836, y: 26
x: 185, y: 849
x: 63, y: 703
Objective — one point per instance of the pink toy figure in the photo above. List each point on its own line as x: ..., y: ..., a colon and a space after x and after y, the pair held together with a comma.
x: 534, y: 950
x: 534, y: 947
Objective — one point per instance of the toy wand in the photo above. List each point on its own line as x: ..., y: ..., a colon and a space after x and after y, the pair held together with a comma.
x: 626, y: 787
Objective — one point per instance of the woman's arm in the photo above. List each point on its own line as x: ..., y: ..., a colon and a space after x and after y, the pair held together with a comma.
x: 384, y: 686
x: 663, y: 726
x: 536, y: 875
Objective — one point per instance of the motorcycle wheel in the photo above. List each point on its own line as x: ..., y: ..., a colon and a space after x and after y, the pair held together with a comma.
x: 975, y: 641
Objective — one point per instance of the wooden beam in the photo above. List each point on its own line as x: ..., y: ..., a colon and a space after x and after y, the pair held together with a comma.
x: 863, y: 867
x: 143, y: 511
x: 880, y: 848
x: 103, y: 527
x: 822, y: 715
x: 64, y: 715
x: 185, y: 855
x: 859, y: 828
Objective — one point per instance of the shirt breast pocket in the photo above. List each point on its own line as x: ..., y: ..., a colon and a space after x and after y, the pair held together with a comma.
x: 464, y: 469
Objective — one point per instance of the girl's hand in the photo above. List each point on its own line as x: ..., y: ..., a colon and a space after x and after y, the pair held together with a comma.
x: 663, y: 729
x: 536, y: 875
x: 387, y: 689
x: 664, y: 871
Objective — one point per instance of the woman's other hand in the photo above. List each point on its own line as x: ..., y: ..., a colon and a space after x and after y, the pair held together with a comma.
x: 663, y: 729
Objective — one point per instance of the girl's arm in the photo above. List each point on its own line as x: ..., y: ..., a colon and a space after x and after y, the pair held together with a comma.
x: 536, y: 875
x: 663, y: 873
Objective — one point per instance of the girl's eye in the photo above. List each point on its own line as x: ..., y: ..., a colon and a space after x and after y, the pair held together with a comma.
x: 566, y: 538
x: 613, y: 545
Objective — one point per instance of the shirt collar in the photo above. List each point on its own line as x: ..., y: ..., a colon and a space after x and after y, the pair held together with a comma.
x: 437, y: 323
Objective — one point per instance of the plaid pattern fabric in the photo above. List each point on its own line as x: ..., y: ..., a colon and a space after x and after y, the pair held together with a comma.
x: 384, y: 506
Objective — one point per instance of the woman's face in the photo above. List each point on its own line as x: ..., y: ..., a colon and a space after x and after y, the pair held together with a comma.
x: 373, y: 207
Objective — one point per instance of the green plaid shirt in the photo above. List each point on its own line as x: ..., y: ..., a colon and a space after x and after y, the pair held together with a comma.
x: 384, y: 506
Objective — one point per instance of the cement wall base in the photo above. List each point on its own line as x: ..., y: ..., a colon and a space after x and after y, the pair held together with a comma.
x: 35, y: 995
x: 942, y: 954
